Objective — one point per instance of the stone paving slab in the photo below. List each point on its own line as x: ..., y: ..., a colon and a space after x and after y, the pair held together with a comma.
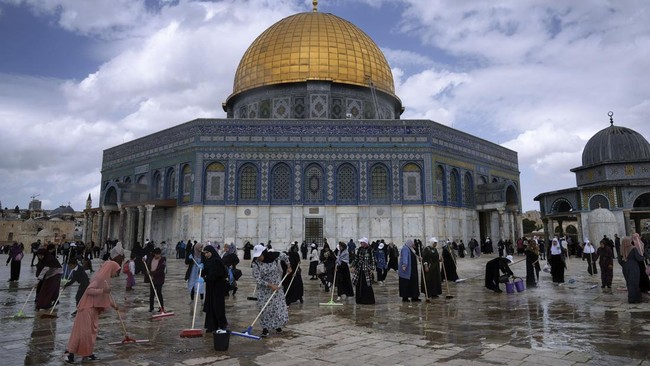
x: 547, y: 325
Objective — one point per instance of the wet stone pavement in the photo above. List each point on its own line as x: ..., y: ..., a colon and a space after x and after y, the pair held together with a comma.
x: 574, y: 324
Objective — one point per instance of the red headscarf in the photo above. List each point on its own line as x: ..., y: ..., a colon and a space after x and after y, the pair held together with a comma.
x: 97, y: 294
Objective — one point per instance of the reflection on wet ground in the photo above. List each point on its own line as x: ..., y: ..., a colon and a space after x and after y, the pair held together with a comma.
x: 576, y: 323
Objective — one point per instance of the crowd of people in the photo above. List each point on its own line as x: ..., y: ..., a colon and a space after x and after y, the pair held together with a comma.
x: 351, y: 268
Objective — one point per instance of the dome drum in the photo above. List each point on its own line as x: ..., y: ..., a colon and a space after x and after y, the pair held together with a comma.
x: 313, y: 100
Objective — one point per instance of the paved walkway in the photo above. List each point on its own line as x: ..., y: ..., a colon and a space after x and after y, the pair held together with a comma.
x: 574, y: 324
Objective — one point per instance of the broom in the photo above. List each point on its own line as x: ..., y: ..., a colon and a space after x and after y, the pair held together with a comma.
x: 424, y: 280
x: 127, y: 339
x: 247, y: 332
x: 253, y: 298
x: 20, y: 313
x: 194, y: 333
x: 286, y: 292
x: 331, y: 302
x: 448, y: 296
x: 162, y: 313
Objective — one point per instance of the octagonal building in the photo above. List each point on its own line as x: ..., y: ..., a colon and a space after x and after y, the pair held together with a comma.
x: 313, y: 147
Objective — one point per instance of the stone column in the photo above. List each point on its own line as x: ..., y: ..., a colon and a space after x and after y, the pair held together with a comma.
x: 104, y: 236
x: 141, y: 225
x: 84, y: 234
x: 546, y: 229
x: 628, y: 223
x: 128, y: 238
x: 120, y: 224
x: 147, y: 224
x: 100, y: 227
x: 501, y: 229
x: 581, y: 235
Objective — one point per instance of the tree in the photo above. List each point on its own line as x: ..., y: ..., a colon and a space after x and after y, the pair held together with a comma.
x: 528, y: 225
x: 17, y: 210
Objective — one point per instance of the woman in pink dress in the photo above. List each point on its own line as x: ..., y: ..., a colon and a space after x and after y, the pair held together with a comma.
x: 86, y: 324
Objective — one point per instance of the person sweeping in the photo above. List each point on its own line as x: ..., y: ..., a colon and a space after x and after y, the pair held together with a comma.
x: 95, y: 300
x: 268, y: 275
x: 492, y: 272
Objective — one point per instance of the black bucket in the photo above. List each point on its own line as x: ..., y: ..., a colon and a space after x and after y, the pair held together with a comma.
x: 221, y: 340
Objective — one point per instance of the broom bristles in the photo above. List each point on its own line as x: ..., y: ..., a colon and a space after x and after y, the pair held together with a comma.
x: 191, y: 333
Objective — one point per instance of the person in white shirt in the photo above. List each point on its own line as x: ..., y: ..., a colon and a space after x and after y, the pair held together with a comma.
x: 588, y: 254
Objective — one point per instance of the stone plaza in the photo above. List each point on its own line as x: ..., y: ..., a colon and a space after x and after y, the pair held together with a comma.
x: 576, y: 323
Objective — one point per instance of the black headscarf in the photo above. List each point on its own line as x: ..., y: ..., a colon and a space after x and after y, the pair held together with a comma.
x: 270, y: 257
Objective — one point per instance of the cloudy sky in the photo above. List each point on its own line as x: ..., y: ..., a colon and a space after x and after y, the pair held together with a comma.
x: 538, y: 77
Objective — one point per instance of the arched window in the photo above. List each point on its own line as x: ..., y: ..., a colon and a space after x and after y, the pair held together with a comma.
x: 346, y: 189
x: 172, y: 187
x: 454, y: 187
x: 248, y: 183
x: 468, y: 189
x: 157, y: 186
x: 440, y: 183
x: 215, y: 177
x: 281, y: 183
x: 598, y: 201
x: 187, y: 183
x: 412, y: 182
x: 127, y: 180
x: 143, y: 180
x: 379, y: 183
x: 313, y: 184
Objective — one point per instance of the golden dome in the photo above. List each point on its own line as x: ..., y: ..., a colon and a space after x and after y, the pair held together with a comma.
x: 313, y: 46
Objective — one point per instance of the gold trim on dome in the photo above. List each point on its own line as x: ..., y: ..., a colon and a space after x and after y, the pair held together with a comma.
x: 313, y: 46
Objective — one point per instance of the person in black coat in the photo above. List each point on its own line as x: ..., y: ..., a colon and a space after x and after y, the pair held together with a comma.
x: 214, y: 275
x: 292, y: 284
x: 493, y: 269
x: 247, y: 250
x: 78, y: 275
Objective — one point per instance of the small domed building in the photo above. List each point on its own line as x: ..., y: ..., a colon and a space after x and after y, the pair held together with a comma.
x: 614, y: 177
x: 312, y: 147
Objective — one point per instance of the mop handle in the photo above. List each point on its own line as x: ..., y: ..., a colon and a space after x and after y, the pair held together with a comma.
x: 152, y: 286
x: 269, y: 300
x: 334, y: 282
x: 60, y: 293
x: 28, y: 296
x: 196, y: 294
x: 424, y: 279
x: 119, y: 316
x: 292, y: 278
x: 446, y: 279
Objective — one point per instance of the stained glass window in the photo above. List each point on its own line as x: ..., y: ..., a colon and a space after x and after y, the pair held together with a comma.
x: 313, y: 187
x: 468, y: 188
x: 412, y: 182
x: 440, y: 183
x: 187, y: 183
x: 248, y: 183
x: 454, y: 187
x: 281, y: 183
x: 215, y: 175
x: 347, y: 184
x: 379, y: 183
x: 157, y: 185
x: 172, y: 188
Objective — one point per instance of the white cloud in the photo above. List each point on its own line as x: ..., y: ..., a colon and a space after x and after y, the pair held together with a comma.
x: 536, y: 76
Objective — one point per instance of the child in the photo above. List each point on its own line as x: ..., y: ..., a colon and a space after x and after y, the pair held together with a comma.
x: 129, y: 269
x: 156, y: 265
x: 77, y: 274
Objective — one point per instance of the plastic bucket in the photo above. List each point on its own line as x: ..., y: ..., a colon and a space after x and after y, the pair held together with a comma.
x: 510, y: 287
x: 221, y: 340
x: 520, y: 285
